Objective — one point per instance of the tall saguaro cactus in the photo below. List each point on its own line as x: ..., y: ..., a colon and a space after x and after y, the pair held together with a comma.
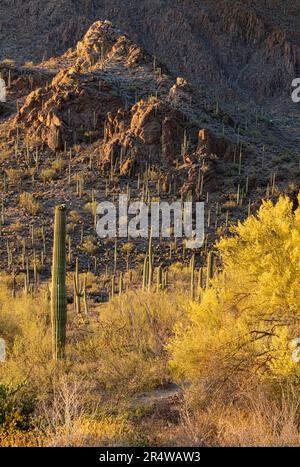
x: 148, y: 267
x: 145, y: 272
x: 58, y: 291
x: 192, y: 268
x: 210, y: 268
x: 150, y: 257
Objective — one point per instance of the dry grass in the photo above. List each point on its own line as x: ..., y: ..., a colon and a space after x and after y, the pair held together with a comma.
x: 252, y: 419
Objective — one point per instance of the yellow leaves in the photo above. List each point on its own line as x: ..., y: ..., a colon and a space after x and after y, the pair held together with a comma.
x: 283, y: 362
x: 266, y: 250
x: 245, y: 319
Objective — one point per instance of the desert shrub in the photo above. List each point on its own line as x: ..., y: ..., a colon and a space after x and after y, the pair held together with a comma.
x: 126, y: 347
x: 17, y: 226
x: 127, y: 249
x: 14, y: 176
x: 229, y: 205
x: 246, y: 322
x: 89, y: 432
x: 48, y: 174
x: 21, y: 439
x: 71, y: 417
x: 178, y: 273
x: 74, y: 217
x: 28, y: 201
x: 16, y: 409
x: 58, y: 165
x: 89, y: 246
x: 91, y: 207
x: 8, y: 61
x: 70, y: 227
x: 25, y: 325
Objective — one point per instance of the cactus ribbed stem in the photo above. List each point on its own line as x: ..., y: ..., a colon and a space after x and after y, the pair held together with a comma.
x: 112, y: 287
x: 192, y: 267
x: 58, y: 290
x: 200, y: 282
x: 165, y: 280
x: 145, y: 272
x: 159, y: 277
x: 210, y: 269
x: 79, y: 291
x: 115, y: 256
x: 121, y: 284
x: 150, y: 264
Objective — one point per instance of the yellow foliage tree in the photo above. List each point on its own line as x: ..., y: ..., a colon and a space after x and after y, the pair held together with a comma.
x: 246, y: 323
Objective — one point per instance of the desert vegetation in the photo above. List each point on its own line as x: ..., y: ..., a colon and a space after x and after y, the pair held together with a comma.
x: 124, y: 341
x: 208, y: 366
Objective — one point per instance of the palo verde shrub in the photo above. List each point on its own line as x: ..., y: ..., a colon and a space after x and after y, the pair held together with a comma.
x: 246, y: 322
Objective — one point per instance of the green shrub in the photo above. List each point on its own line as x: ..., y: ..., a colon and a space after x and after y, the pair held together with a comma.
x: 16, y: 409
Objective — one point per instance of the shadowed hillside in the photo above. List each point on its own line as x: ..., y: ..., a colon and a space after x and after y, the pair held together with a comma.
x: 252, y: 45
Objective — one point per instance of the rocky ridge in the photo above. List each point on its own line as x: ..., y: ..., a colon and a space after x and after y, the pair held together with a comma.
x: 92, y: 122
x: 244, y: 46
x: 108, y: 92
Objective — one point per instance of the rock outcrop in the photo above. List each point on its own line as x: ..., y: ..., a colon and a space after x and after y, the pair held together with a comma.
x: 208, y: 144
x: 153, y: 133
x: 103, y: 41
x: 150, y: 132
x: 82, y: 104
x: 72, y: 109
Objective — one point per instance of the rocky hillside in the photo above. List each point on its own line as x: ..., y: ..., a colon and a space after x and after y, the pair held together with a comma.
x: 107, y: 95
x: 107, y: 118
x: 170, y: 101
x: 247, y: 45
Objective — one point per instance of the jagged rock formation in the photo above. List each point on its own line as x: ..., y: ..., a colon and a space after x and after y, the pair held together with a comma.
x: 84, y: 104
x: 150, y: 132
x: 153, y: 133
x: 208, y: 143
x: 71, y: 110
x: 102, y: 41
